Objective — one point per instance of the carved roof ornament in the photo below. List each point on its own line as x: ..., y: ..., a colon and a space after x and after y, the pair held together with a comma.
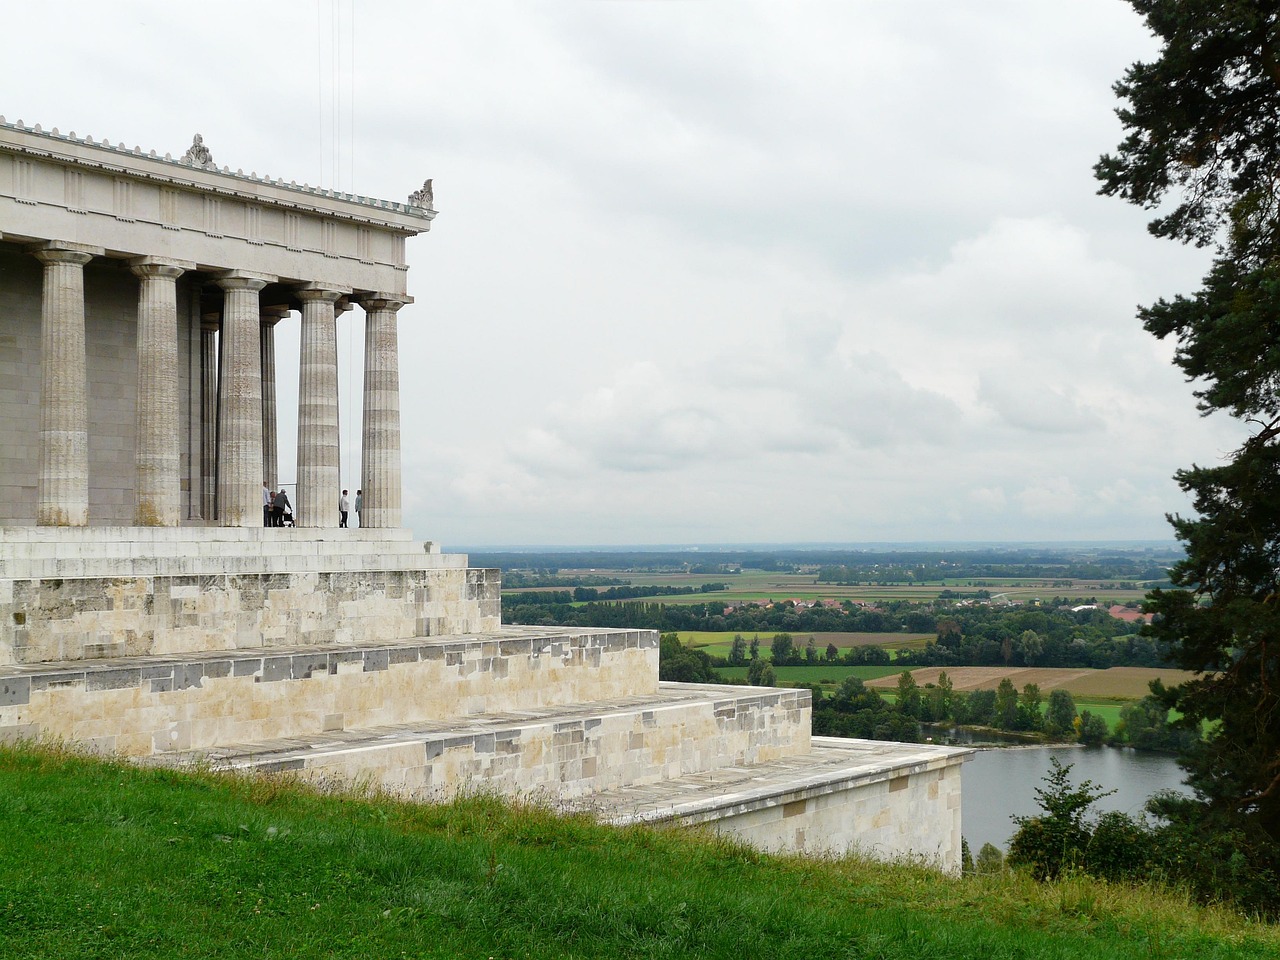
x: 198, y: 154
x: 422, y: 198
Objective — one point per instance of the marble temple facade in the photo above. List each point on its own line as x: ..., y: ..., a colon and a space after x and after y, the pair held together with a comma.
x: 144, y: 609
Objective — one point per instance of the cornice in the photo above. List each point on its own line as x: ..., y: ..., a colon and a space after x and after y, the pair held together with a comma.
x: 118, y: 159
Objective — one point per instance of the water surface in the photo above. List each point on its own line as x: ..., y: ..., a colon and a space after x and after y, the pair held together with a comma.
x: 1000, y: 783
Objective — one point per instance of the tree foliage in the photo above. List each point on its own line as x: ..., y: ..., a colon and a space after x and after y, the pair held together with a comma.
x: 1055, y: 839
x: 1060, y: 717
x: 1202, y: 148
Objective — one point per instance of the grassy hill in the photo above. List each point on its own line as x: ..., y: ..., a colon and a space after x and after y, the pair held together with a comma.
x: 102, y: 859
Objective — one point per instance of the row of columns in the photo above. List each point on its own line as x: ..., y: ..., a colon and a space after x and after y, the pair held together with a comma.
x: 244, y: 445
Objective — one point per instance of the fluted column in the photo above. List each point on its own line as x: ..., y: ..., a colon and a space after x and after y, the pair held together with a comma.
x: 209, y: 415
x: 240, y: 403
x: 270, y: 442
x: 380, y: 453
x: 319, y: 476
x: 193, y: 484
x: 62, y: 492
x: 158, y: 493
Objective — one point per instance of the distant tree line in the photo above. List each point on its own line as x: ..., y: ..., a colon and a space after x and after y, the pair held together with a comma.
x: 856, y: 710
x: 588, y: 594
x: 782, y: 616
x: 524, y: 579
x: 1051, y: 636
x: 847, y: 564
x: 1128, y: 570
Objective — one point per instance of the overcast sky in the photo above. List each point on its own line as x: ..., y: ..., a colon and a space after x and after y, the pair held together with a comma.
x: 704, y: 271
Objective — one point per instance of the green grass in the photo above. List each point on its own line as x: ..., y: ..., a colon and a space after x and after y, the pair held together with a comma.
x: 106, y: 860
x: 1109, y: 710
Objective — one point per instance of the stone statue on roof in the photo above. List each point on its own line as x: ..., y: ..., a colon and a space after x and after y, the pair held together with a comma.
x: 198, y: 154
x: 423, y: 197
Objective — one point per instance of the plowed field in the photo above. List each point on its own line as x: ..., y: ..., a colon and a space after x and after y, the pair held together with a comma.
x: 1118, y: 682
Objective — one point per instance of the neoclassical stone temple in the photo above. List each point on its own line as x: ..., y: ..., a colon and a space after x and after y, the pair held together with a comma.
x: 141, y: 296
x: 145, y: 610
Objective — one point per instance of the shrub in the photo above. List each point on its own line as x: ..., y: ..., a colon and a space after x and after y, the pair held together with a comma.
x: 1057, y: 839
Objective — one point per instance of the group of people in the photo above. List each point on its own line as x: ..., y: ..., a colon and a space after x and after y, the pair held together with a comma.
x: 275, y: 507
x: 277, y: 511
x: 344, y: 507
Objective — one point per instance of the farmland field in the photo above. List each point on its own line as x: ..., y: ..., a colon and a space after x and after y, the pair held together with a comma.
x: 718, y: 643
x: 1116, y: 683
x: 760, y: 586
x: 828, y: 675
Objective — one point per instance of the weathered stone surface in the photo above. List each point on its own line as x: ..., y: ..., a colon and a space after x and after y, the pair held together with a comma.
x: 247, y: 697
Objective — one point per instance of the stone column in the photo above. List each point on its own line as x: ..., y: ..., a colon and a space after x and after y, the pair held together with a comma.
x: 380, y: 454
x: 319, y: 476
x: 209, y: 415
x: 193, y: 482
x: 240, y: 473
x: 62, y: 498
x: 158, y: 495
x: 270, y: 442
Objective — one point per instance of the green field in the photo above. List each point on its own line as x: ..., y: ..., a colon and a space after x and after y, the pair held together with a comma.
x: 1109, y: 710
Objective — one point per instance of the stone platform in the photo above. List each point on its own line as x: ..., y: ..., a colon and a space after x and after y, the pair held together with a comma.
x: 105, y: 592
x: 362, y: 656
x: 879, y: 799
x: 557, y: 753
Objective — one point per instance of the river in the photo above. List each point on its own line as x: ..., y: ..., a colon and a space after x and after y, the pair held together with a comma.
x: 1001, y: 782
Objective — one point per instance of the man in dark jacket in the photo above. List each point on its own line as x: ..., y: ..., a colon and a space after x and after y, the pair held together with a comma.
x: 278, y: 508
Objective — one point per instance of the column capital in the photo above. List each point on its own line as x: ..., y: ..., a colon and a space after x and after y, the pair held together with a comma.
x: 330, y: 292
x: 270, y: 316
x: 382, y: 301
x: 244, y: 280
x: 164, y: 267
x: 58, y: 251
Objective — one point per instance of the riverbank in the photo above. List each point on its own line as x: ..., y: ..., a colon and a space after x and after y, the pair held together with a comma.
x: 105, y: 859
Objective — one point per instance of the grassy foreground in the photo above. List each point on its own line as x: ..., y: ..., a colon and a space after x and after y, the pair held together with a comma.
x: 101, y: 859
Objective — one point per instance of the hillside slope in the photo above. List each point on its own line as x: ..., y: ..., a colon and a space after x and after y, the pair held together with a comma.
x: 102, y: 859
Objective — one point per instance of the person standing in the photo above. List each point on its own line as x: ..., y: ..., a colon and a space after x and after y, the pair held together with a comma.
x: 266, y: 505
x: 359, y: 507
x: 278, y: 508
x: 344, y: 505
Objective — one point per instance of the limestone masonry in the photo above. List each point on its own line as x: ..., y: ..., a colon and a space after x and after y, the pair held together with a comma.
x: 145, y: 610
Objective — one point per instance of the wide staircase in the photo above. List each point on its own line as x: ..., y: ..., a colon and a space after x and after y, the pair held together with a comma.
x: 575, y: 717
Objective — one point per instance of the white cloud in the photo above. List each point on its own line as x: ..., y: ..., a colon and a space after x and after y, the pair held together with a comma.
x: 715, y: 271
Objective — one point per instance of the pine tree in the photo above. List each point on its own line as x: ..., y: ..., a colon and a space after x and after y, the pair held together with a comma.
x: 1203, y: 145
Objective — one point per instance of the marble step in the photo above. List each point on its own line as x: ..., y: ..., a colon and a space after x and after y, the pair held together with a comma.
x: 870, y: 796
x: 44, y: 552
x: 563, y: 752
x: 140, y: 705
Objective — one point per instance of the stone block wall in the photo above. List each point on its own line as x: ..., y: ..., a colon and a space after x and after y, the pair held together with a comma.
x: 53, y: 619
x: 189, y: 703
x: 912, y: 811
x: 571, y: 759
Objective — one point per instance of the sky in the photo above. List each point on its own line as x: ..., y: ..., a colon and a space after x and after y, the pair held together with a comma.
x: 704, y: 271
